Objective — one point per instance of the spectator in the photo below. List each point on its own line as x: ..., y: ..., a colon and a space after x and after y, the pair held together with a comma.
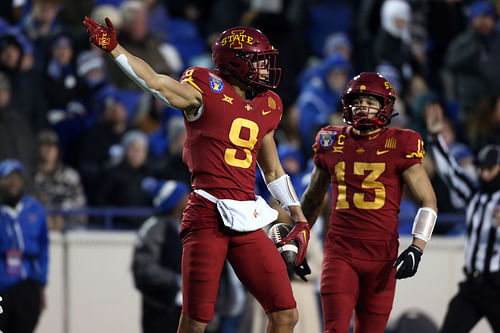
x: 23, y: 83
x: 57, y: 185
x: 156, y: 263
x: 135, y: 36
x: 320, y: 98
x: 16, y: 136
x: 94, y: 148
x: 338, y: 42
x: 24, y: 244
x: 41, y: 26
x: 170, y: 163
x: 484, y: 125
x: 120, y: 185
x: 66, y: 111
x: 12, y: 10
x: 392, y: 43
x: 473, y: 57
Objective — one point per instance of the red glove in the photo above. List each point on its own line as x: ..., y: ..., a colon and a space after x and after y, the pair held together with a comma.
x: 104, y: 37
x: 299, y: 233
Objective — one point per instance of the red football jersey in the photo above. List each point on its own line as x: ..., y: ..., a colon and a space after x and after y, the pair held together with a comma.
x: 366, y: 177
x: 223, y: 141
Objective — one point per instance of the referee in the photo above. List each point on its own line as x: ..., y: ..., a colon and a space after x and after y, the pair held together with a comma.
x: 479, y: 294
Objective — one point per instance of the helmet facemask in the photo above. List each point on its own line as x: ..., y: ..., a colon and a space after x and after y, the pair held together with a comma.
x: 366, y: 117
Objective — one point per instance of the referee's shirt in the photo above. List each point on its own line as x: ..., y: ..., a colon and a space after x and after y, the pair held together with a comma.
x: 482, y: 246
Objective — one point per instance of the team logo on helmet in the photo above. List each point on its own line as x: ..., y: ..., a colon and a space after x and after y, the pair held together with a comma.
x: 236, y: 39
x: 216, y: 83
x: 326, y: 138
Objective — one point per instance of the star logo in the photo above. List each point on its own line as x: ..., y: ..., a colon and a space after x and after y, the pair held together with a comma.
x: 228, y: 99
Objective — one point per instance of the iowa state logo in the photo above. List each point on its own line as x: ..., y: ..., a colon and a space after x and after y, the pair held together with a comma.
x: 236, y: 39
x: 216, y: 83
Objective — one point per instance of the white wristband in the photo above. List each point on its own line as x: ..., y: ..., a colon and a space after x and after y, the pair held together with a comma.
x: 283, y: 191
x: 423, y: 224
x: 122, y: 62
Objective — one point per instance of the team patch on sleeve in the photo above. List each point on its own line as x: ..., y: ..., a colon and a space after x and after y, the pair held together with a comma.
x: 326, y: 138
x: 216, y: 83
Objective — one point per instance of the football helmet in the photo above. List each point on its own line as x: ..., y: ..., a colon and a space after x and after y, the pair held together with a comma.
x: 373, y: 84
x: 247, y: 54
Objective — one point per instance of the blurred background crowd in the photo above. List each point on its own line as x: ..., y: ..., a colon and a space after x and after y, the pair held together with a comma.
x: 87, y: 136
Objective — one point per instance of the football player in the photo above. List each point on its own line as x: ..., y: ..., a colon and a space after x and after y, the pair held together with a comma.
x: 367, y: 165
x: 230, y: 116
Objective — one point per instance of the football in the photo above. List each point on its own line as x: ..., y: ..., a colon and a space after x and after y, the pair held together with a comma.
x: 288, y: 251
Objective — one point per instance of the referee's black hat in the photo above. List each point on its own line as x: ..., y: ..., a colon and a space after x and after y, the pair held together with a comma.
x: 488, y: 156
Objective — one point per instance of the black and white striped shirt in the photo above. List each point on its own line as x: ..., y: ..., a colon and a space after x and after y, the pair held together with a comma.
x: 482, y: 246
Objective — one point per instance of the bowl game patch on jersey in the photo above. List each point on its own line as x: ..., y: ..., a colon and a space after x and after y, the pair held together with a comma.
x: 216, y: 83
x: 326, y: 138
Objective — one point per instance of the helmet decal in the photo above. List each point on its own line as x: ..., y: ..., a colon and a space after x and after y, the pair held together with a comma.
x: 236, y: 39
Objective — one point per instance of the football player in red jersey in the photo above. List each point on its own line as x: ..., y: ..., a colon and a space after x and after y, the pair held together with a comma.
x: 230, y: 116
x: 367, y: 165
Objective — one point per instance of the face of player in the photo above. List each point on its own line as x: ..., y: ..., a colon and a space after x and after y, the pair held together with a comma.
x: 365, y: 106
x: 262, y: 66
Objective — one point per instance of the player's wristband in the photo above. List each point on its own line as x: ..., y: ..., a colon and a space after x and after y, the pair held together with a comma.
x: 423, y: 224
x: 283, y: 191
x: 122, y: 62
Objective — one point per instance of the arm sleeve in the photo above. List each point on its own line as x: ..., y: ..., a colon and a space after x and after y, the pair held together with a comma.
x: 450, y: 172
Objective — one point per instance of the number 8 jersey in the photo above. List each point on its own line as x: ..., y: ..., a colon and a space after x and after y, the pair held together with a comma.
x: 366, y: 178
x: 224, y: 137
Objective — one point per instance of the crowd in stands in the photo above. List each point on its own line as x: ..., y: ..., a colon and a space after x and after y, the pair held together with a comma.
x: 88, y: 136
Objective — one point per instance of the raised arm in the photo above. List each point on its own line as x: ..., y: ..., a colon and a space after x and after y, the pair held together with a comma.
x: 173, y: 93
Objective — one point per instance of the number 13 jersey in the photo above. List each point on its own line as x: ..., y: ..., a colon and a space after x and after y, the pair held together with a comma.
x: 224, y: 137
x: 366, y: 177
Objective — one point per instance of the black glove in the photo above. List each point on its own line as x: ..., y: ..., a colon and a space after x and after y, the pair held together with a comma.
x: 302, y: 270
x: 408, y: 262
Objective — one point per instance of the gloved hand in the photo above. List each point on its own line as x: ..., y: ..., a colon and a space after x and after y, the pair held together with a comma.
x: 302, y: 270
x: 104, y: 37
x: 408, y: 262
x: 300, y: 233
